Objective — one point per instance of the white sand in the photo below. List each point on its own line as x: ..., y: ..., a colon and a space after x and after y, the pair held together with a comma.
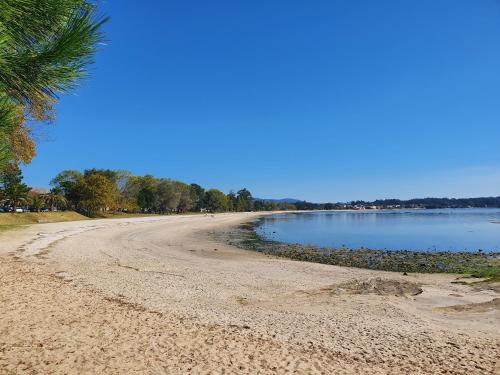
x: 156, y: 295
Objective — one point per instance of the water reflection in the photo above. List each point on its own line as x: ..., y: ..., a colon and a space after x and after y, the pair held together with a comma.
x: 424, y: 230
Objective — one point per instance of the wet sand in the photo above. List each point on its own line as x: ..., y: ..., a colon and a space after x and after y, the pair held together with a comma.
x: 158, y: 295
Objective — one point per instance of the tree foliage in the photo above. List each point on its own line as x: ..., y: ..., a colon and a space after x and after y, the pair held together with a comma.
x: 97, y: 193
x: 45, y: 47
x: 94, y: 192
x: 55, y: 200
x: 66, y: 182
x: 215, y: 200
x: 13, y: 191
x: 147, y: 194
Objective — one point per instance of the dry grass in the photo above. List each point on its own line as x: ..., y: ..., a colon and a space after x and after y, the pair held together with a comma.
x: 121, y: 215
x: 7, y: 220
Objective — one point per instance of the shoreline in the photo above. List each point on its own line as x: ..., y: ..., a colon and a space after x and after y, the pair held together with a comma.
x: 157, y: 294
x: 476, y: 264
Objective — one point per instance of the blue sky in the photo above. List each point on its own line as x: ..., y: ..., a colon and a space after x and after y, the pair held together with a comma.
x: 324, y: 101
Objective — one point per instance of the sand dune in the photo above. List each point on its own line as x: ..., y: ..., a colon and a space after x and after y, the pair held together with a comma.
x: 157, y: 295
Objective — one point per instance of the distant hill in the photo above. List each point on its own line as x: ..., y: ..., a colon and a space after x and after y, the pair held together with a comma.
x: 283, y: 200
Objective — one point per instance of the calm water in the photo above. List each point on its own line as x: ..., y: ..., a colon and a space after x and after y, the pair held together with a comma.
x: 425, y: 230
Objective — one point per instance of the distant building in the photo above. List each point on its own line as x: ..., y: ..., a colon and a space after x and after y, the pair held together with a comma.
x: 39, y: 191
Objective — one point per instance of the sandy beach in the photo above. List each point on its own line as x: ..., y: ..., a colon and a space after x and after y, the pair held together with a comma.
x: 156, y: 295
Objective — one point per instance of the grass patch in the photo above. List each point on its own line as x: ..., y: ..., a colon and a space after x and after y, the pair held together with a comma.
x: 8, y: 220
x: 495, y: 278
x: 4, y: 228
x: 489, y: 271
x: 121, y: 215
x: 11, y: 220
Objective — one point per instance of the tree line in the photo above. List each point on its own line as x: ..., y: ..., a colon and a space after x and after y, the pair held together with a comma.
x: 97, y: 191
x: 482, y: 202
x: 428, y: 203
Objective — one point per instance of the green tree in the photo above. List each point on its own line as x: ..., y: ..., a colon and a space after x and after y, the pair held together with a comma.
x: 126, y: 198
x: 215, y: 200
x: 262, y: 205
x: 36, y: 201
x: 13, y: 191
x: 55, y: 200
x: 146, y: 198
x: 186, y: 201
x: 244, y: 201
x: 45, y: 47
x: 231, y: 199
x: 110, y: 174
x: 8, y: 119
x: 97, y: 193
x: 129, y: 189
x: 259, y: 205
x: 198, y: 194
x: 68, y: 182
x: 167, y: 196
x: 144, y: 189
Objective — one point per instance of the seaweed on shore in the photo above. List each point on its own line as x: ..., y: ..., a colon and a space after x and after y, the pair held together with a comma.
x: 477, y: 264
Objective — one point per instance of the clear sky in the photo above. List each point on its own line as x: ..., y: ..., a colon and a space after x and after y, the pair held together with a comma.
x: 319, y: 100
